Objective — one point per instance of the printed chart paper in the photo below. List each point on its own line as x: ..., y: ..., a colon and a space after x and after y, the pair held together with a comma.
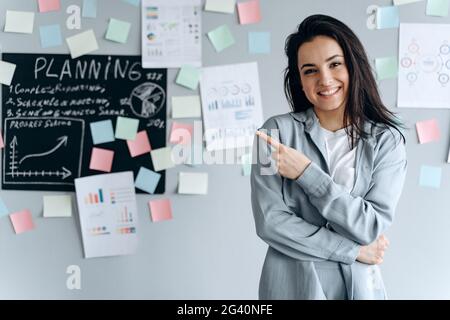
x: 171, y: 33
x: 231, y: 104
x: 424, y: 66
x: 108, y: 214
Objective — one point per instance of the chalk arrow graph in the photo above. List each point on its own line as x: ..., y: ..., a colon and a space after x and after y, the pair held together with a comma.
x: 62, y: 141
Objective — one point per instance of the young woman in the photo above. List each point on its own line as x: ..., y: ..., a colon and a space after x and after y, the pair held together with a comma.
x: 328, y: 175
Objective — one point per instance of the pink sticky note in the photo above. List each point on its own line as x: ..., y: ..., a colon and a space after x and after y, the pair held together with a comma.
x: 428, y: 131
x: 22, y: 221
x: 49, y: 5
x: 249, y: 12
x: 160, y: 209
x: 181, y: 133
x: 140, y: 144
x: 101, y: 159
x: 2, y: 144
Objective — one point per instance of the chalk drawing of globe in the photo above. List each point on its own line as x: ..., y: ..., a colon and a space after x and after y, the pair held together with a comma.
x: 147, y: 99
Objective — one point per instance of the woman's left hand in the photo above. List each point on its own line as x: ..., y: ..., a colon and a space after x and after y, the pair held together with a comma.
x: 290, y: 162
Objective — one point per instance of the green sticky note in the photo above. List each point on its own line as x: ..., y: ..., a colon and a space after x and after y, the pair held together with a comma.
x: 118, y: 30
x: 438, y: 8
x: 387, y: 68
x: 221, y: 38
x: 126, y: 128
x: 188, y: 76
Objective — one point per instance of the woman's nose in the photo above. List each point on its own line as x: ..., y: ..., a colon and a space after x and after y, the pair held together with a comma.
x: 325, y: 79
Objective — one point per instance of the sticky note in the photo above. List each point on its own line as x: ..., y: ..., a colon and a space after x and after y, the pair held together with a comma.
x: 223, y: 6
x: 181, y: 133
x: 221, y: 38
x: 140, y: 145
x: 438, y: 8
x: 49, y: 5
x: 132, y: 2
x: 101, y: 159
x: 160, y: 209
x: 193, y: 183
x: 162, y: 158
x: 147, y: 180
x: 3, y: 208
x: 430, y: 176
x: 188, y: 76
x: 259, y: 42
x: 388, y: 17
x: 118, y: 30
x: 6, y: 72
x: 22, y: 221
x: 186, y: 107
x: 246, y: 162
x: 89, y: 9
x: 387, y: 68
x: 50, y: 36
x: 195, y: 156
x: 82, y: 43
x: 126, y: 128
x: 401, y: 2
x: 249, y: 12
x: 102, y: 131
x: 19, y: 21
x: 428, y: 131
x: 57, y: 206
x: 2, y: 144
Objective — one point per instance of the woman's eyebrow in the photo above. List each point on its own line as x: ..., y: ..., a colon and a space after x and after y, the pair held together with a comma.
x: 313, y: 65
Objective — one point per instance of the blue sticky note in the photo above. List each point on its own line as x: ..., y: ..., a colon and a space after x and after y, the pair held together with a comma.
x: 430, y: 177
x: 147, y: 180
x: 89, y: 9
x: 3, y: 209
x: 259, y: 42
x: 133, y: 2
x: 388, y: 17
x: 50, y: 36
x: 102, y: 131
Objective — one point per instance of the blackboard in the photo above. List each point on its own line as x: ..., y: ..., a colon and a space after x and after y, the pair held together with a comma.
x: 48, y: 108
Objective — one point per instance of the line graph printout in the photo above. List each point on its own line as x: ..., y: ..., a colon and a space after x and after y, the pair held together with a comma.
x: 424, y: 66
x: 48, y: 109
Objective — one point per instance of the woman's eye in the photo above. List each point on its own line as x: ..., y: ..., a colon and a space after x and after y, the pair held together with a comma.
x: 309, y: 71
x: 335, y: 64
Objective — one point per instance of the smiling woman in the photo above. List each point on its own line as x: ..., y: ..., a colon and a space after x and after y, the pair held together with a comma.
x: 340, y: 165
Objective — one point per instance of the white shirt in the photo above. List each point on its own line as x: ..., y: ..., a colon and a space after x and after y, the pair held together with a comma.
x: 340, y: 158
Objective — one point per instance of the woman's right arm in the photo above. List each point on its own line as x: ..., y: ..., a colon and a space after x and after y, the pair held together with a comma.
x: 280, y: 228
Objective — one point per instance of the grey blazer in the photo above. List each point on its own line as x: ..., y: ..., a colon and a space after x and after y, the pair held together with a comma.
x: 313, y: 219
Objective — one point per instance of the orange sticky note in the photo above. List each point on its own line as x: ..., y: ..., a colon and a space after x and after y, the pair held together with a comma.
x: 249, y: 12
x: 181, y: 133
x: 140, y: 144
x: 49, y: 5
x: 22, y: 221
x: 101, y: 159
x: 428, y: 131
x: 160, y: 210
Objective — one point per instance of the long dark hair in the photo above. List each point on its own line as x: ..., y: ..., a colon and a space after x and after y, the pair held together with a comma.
x: 363, y: 101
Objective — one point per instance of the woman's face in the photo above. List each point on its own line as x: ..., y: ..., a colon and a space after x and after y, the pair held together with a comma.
x: 323, y: 73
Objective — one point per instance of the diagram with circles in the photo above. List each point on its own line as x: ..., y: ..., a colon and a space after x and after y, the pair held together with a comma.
x: 424, y: 66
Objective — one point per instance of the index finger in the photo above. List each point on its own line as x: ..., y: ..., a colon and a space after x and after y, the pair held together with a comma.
x: 270, y: 140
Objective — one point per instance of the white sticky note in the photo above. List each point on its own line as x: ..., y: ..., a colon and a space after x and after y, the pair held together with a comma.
x: 193, y: 183
x: 57, y: 206
x: 6, y: 72
x: 223, y: 6
x: 19, y: 21
x: 82, y: 43
x: 162, y: 158
x: 401, y: 2
x: 186, y: 107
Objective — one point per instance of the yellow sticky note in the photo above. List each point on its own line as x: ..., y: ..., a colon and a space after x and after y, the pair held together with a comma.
x: 82, y: 43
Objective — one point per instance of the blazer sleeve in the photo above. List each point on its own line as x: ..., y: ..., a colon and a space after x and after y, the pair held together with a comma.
x: 279, y: 227
x: 362, y: 219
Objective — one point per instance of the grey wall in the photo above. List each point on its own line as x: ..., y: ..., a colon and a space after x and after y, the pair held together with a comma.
x: 210, y: 250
